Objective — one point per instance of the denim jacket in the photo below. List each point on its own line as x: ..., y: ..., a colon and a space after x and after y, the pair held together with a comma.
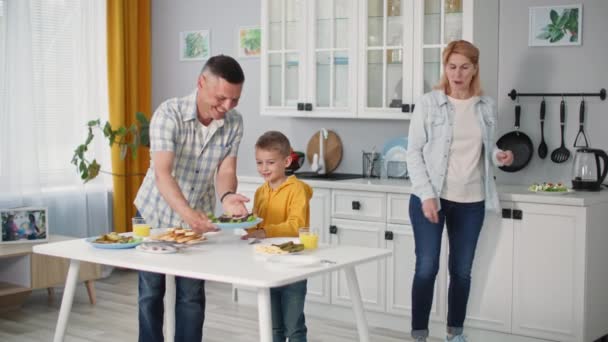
x: 429, y: 140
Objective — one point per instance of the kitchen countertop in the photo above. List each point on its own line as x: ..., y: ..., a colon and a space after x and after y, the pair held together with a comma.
x: 516, y: 193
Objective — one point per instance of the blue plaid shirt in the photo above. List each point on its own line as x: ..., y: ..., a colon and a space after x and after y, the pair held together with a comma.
x: 175, y: 128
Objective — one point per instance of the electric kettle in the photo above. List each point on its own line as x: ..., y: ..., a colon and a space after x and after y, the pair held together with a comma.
x: 587, y: 172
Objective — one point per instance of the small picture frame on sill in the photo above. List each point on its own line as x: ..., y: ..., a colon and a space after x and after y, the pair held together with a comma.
x: 24, y: 225
x: 556, y: 25
x: 194, y: 45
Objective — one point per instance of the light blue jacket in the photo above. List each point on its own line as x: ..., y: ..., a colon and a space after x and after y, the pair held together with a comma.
x: 429, y: 140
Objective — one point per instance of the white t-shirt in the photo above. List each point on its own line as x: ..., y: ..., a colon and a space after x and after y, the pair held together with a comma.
x: 208, y: 131
x: 463, y: 182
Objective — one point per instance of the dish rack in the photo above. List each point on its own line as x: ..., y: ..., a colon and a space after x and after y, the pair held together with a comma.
x: 395, y: 169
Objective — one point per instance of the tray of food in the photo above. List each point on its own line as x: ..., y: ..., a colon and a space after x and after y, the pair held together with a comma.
x: 229, y: 221
x: 114, y: 240
x: 548, y: 188
x: 180, y: 236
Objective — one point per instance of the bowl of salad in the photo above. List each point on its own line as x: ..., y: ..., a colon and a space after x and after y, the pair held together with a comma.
x: 550, y: 188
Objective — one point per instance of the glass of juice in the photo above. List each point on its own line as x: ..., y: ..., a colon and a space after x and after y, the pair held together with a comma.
x: 140, y: 227
x: 309, y: 238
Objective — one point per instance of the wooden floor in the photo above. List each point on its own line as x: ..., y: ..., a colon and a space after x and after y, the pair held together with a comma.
x: 114, y: 317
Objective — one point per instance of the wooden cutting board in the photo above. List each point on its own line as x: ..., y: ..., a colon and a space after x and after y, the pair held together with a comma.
x: 332, y: 148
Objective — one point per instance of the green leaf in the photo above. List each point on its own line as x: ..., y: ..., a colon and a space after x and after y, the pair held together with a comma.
x: 544, y: 35
x: 573, y: 38
x: 563, y: 19
x: 93, y: 170
x: 121, y: 131
x: 133, y: 148
x: 107, y: 129
x: 554, y: 16
x: 112, y: 138
x: 556, y: 37
x: 123, y: 151
x: 93, y: 123
x: 89, y: 136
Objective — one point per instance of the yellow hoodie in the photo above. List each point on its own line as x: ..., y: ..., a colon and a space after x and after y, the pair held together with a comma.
x: 285, y: 209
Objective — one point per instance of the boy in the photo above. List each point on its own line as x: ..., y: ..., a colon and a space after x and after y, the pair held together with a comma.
x: 283, y: 203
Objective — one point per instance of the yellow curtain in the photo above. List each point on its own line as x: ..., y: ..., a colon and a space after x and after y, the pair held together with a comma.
x: 129, y: 75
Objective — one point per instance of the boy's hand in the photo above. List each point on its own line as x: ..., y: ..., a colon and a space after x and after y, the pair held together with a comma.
x: 255, y: 234
x: 235, y: 204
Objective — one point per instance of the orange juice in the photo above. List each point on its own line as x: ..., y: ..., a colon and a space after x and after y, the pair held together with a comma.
x: 141, y: 229
x: 308, y: 238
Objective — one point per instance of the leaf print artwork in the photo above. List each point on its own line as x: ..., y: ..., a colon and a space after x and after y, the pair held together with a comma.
x: 562, y: 25
x: 555, y: 25
x: 194, y: 45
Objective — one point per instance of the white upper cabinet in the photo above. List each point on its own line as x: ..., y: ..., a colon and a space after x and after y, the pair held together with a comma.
x: 308, y: 58
x: 355, y: 59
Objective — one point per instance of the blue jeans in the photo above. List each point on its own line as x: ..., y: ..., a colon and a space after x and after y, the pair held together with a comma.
x: 189, y: 308
x: 463, y: 222
x: 287, y: 308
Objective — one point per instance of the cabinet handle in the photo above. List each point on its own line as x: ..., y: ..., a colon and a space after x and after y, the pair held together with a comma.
x: 356, y: 205
x: 333, y: 229
x: 517, y: 214
x: 388, y: 235
x: 506, y: 213
x: 413, y: 105
x: 300, y: 106
x: 405, y: 108
x: 308, y: 107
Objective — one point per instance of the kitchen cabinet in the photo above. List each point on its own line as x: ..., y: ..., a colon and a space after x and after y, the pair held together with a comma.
x: 539, y: 272
x: 308, y: 58
x: 319, y: 287
x: 355, y: 59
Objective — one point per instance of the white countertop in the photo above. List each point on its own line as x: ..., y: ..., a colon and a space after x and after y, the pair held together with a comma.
x: 518, y: 193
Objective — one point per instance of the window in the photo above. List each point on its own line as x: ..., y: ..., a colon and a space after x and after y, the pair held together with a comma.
x: 62, y: 86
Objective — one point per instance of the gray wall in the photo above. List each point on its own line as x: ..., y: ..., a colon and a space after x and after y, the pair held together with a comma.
x: 507, y: 62
x: 552, y: 69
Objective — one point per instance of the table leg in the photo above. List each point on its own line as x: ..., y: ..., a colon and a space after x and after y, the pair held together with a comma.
x: 265, y: 317
x: 169, y: 308
x: 66, y: 302
x: 355, y: 296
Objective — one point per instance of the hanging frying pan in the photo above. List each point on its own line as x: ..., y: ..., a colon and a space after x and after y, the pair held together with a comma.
x: 517, y: 142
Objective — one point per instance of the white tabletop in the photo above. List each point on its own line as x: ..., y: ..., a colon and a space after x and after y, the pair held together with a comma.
x: 223, y: 258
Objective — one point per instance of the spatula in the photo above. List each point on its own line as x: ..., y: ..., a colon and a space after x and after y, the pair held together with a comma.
x: 561, y: 154
x: 542, y: 148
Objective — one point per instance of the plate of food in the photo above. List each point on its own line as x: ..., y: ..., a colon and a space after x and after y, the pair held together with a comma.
x: 178, y: 236
x: 157, y: 248
x: 549, y: 188
x: 228, y: 221
x: 288, y: 247
x: 114, y: 240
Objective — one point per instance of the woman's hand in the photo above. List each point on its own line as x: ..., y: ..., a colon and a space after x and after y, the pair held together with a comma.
x: 429, y: 209
x: 504, y: 157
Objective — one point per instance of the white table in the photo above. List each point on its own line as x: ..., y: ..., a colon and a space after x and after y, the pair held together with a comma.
x: 223, y: 259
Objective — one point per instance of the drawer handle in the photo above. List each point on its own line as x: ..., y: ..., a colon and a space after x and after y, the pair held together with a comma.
x: 506, y: 213
x: 517, y: 214
x: 356, y: 205
x: 388, y: 235
x: 333, y: 229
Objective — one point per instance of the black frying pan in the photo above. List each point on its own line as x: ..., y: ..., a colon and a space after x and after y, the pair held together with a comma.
x: 518, y: 143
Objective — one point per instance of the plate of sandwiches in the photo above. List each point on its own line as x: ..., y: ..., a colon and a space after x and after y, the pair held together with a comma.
x: 179, y: 236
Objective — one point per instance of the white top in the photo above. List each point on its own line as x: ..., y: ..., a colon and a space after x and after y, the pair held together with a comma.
x: 463, y: 182
x: 209, y: 130
x: 223, y: 258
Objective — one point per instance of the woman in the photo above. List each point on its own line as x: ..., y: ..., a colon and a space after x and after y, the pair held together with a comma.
x: 451, y: 148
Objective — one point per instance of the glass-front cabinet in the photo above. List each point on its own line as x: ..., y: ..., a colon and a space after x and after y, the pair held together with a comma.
x: 355, y: 58
x: 309, y: 58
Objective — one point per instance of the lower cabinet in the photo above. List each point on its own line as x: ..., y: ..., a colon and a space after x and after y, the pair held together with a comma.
x: 371, y: 275
x: 318, y: 287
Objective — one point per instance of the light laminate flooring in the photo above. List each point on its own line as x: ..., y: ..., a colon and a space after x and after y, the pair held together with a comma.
x: 114, y: 317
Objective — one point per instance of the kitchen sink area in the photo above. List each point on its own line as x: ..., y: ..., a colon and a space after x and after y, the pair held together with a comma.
x: 327, y: 176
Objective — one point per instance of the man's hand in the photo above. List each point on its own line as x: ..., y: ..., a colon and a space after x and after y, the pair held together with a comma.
x: 199, y: 222
x: 235, y: 204
x: 429, y: 209
x: 504, y: 158
x: 255, y: 234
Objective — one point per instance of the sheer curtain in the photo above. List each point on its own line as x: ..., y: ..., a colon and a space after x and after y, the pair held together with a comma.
x: 53, y: 79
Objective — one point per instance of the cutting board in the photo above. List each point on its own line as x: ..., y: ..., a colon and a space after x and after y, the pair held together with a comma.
x: 332, y: 148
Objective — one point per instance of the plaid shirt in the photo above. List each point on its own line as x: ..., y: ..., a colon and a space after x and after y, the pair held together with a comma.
x: 175, y: 128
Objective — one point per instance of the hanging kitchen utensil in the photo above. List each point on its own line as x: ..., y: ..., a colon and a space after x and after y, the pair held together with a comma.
x: 542, y: 148
x: 332, y: 150
x: 581, y: 125
x: 561, y: 154
x: 517, y: 142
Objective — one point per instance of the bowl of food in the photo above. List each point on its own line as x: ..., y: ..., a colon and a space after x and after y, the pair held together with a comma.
x: 297, y: 160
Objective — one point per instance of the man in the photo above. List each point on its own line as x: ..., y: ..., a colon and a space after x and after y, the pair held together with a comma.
x: 191, y: 139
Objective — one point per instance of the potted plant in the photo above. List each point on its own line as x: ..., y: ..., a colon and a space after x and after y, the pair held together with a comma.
x: 128, y: 139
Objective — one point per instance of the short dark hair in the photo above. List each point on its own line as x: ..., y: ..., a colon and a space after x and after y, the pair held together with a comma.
x: 225, y: 67
x: 274, y: 141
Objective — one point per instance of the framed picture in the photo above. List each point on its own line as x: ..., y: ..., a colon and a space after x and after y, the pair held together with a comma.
x: 24, y: 225
x: 194, y: 45
x: 249, y: 41
x: 556, y: 25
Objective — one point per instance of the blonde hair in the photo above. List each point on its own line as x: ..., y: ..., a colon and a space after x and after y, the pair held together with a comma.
x: 465, y: 48
x: 274, y: 141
